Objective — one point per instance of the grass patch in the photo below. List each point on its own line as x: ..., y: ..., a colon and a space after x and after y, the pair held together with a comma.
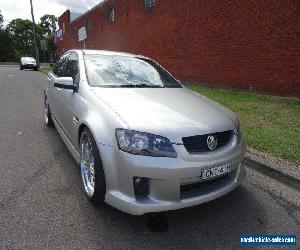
x: 269, y: 123
x: 46, y: 70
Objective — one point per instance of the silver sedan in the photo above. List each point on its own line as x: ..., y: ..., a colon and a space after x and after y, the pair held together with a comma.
x: 143, y: 141
x: 28, y: 63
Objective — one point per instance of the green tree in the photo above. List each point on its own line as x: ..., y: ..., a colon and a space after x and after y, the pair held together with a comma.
x: 20, y: 31
x: 1, y: 20
x: 47, y: 27
x: 48, y: 24
x: 7, y: 52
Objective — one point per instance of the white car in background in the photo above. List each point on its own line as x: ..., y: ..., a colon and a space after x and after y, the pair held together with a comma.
x: 28, y: 63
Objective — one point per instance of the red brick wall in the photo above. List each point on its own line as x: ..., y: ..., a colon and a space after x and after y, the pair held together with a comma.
x: 241, y: 44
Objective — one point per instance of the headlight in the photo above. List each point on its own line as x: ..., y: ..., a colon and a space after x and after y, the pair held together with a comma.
x: 140, y: 143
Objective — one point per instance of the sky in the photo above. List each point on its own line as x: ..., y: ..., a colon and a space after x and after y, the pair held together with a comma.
x: 11, y: 9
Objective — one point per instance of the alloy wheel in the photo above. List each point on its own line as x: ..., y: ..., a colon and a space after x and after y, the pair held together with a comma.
x: 87, y: 165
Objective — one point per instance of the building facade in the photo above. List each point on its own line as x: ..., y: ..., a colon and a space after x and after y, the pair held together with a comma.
x: 247, y: 44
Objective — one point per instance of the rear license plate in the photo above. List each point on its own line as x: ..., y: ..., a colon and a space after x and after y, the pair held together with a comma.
x: 210, y: 173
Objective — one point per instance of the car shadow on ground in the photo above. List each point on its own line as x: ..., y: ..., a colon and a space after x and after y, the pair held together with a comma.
x: 221, y: 222
x: 217, y: 222
x: 238, y: 206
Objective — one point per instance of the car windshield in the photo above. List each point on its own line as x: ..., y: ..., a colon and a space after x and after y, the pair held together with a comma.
x: 124, y: 71
x: 31, y: 59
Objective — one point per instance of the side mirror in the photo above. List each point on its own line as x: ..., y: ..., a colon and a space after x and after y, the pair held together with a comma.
x: 64, y: 83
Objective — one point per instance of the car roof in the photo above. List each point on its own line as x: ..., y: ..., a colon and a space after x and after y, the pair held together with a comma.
x: 106, y: 52
x: 27, y: 57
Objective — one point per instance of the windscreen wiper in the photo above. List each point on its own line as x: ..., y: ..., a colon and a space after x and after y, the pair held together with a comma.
x: 143, y: 85
x: 119, y: 86
x: 132, y: 86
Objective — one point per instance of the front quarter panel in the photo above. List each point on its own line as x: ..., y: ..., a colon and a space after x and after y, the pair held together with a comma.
x: 100, y: 119
x: 91, y: 112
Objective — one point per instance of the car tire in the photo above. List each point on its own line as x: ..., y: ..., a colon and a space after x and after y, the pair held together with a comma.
x: 47, y: 113
x: 35, y: 68
x: 21, y: 67
x: 92, y: 173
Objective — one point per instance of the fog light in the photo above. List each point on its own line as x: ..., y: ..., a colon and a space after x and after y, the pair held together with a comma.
x: 141, y: 186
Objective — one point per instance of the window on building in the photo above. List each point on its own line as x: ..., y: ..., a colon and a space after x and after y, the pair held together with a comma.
x: 149, y: 4
x: 89, y: 24
x: 111, y: 15
x: 74, y: 31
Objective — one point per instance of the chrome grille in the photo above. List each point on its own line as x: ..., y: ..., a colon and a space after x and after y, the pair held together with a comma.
x: 198, y: 143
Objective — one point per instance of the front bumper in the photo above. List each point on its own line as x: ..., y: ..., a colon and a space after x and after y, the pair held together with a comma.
x: 174, y: 183
x: 30, y: 65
